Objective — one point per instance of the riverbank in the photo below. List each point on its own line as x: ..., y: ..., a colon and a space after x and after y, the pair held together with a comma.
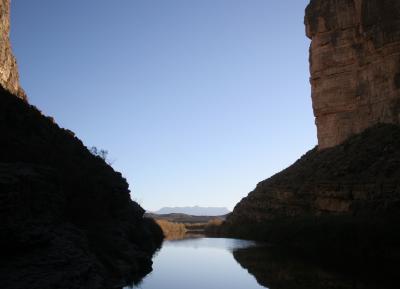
x: 179, y: 226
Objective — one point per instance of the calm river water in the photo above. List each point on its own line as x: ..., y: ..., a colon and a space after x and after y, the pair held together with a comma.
x: 218, y: 263
x: 199, y: 263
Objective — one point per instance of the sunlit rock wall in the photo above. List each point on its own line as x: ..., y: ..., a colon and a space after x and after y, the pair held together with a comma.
x: 354, y: 64
x: 9, y: 77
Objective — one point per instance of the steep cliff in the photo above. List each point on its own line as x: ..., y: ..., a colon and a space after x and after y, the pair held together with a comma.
x: 354, y: 64
x: 341, y: 198
x: 9, y: 78
x: 67, y: 219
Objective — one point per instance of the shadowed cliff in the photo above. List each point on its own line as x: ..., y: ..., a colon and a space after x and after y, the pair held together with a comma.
x: 67, y: 220
x: 67, y: 217
x: 342, y: 202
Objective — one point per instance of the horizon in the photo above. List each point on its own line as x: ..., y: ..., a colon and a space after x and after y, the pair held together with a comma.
x: 191, y: 111
x: 194, y: 206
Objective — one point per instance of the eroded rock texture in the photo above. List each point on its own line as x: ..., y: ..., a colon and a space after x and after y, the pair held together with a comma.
x: 67, y: 219
x: 355, y: 65
x: 339, y: 202
x: 9, y: 77
x: 344, y: 199
x: 359, y: 177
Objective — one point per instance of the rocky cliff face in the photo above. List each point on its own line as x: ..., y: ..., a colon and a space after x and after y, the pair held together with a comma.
x: 355, y: 65
x: 344, y: 198
x: 357, y: 178
x: 67, y: 219
x: 339, y: 202
x: 9, y: 77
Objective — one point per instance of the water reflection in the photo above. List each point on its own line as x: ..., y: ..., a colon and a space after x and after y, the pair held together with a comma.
x: 209, y: 263
x: 276, y: 269
x: 199, y: 263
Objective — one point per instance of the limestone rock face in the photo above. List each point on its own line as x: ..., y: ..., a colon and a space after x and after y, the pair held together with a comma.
x: 340, y: 201
x: 9, y: 77
x: 356, y: 178
x: 341, y: 198
x: 354, y: 65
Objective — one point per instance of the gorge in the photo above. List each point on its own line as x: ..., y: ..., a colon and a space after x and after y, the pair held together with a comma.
x: 330, y: 220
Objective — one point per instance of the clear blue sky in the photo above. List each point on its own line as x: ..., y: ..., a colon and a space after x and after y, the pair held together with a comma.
x: 195, y: 100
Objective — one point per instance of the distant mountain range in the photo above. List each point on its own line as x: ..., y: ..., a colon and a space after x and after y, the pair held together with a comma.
x: 194, y: 211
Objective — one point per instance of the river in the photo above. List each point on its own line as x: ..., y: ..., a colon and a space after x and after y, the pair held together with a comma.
x: 199, y: 263
x: 220, y: 263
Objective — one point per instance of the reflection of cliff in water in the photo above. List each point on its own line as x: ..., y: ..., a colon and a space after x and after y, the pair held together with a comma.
x: 276, y: 269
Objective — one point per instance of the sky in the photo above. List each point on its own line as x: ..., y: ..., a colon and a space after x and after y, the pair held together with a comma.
x: 196, y: 101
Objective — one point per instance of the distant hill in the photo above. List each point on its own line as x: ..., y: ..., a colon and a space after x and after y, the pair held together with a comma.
x: 183, y: 218
x: 194, y: 211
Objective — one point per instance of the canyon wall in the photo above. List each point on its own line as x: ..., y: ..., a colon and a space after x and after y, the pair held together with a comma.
x: 357, y: 178
x: 9, y: 77
x: 355, y: 67
x: 342, y: 202
x: 343, y: 196
x: 354, y: 64
x: 67, y: 218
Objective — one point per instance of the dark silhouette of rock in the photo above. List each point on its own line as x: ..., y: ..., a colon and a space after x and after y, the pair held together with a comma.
x: 67, y: 219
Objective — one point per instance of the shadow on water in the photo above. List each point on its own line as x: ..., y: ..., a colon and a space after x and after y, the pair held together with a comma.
x: 275, y: 268
x: 215, y: 263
